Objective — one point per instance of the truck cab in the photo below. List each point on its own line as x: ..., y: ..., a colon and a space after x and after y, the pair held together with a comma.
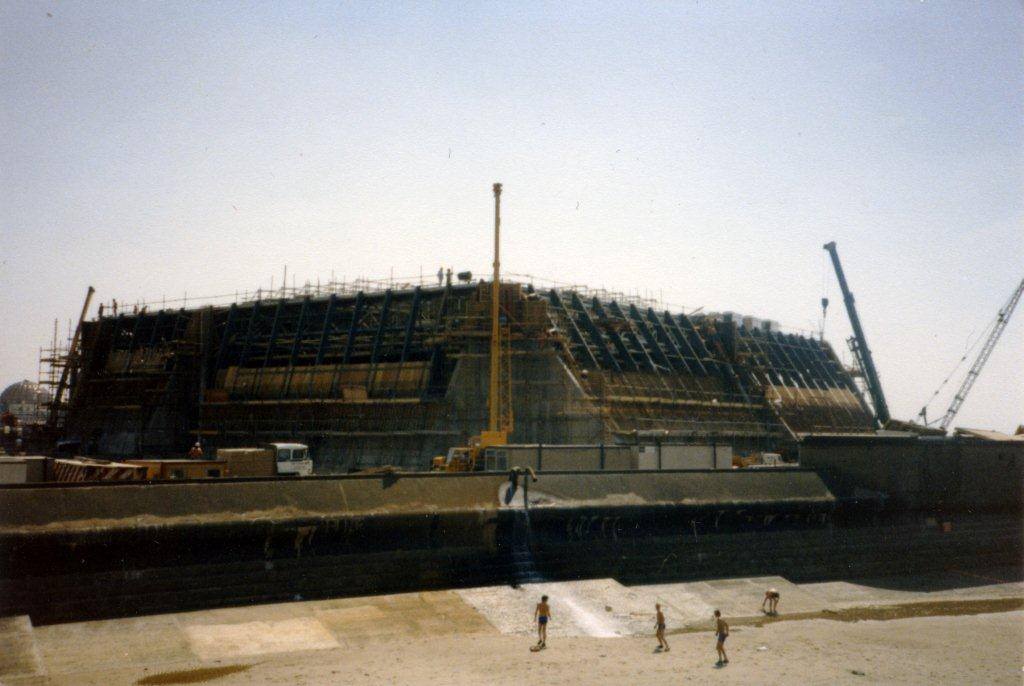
x: 292, y: 458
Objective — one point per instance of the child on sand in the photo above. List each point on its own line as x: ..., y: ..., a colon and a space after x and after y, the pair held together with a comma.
x: 722, y: 632
x: 771, y: 600
x: 542, y: 614
x: 659, y: 626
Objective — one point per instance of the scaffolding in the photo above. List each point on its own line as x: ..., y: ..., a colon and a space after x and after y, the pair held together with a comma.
x: 395, y: 371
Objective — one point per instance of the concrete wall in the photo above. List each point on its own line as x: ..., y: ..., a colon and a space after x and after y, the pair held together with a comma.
x: 13, y: 471
x: 21, y: 470
x: 75, y: 552
x: 547, y: 405
x: 694, y: 489
x: 115, y: 506
x: 673, y: 456
x: 639, y: 547
x: 565, y: 458
x: 921, y: 473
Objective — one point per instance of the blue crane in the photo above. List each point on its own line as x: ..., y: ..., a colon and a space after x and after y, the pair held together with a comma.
x: 859, y: 344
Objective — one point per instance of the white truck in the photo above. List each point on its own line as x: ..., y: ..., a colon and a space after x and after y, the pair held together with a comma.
x: 768, y: 460
x: 274, y: 459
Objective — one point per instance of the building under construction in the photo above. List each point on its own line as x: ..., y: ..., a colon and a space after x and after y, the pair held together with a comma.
x: 387, y: 374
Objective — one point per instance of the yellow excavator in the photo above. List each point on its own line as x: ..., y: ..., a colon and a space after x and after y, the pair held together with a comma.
x: 499, y: 426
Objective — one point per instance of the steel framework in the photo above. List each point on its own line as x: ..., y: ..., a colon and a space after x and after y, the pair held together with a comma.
x: 1002, y: 319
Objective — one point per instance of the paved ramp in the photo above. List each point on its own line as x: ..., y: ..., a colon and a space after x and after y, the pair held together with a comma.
x: 951, y: 585
x: 736, y: 598
x: 130, y: 643
x: 18, y: 654
x: 125, y: 648
x: 244, y: 639
x: 605, y: 608
x: 601, y: 608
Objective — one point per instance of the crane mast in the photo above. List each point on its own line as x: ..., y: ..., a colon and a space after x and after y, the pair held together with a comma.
x: 860, y: 343
x: 979, y: 362
x: 495, y: 431
x: 499, y: 402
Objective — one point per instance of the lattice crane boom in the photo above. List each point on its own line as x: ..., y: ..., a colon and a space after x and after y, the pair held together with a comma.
x: 983, y: 355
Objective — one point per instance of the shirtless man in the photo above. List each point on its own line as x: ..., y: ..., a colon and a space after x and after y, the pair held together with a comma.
x: 771, y: 599
x: 660, y: 627
x: 722, y: 632
x: 541, y: 615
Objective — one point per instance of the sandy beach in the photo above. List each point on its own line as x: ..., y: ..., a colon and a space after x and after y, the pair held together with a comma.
x: 926, y: 650
x: 601, y: 634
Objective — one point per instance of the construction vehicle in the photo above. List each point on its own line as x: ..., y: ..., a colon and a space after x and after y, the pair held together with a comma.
x: 767, y: 460
x: 499, y: 426
x: 464, y: 458
x: 274, y: 459
x: 181, y: 468
x: 998, y: 326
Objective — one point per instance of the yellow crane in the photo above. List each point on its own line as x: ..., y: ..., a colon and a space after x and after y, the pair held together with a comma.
x: 499, y: 405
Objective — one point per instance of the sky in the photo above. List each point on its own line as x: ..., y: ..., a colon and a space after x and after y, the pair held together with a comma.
x: 701, y: 152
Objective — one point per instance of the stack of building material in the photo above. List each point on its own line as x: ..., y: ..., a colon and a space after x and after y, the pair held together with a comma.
x: 85, y: 469
x: 248, y: 461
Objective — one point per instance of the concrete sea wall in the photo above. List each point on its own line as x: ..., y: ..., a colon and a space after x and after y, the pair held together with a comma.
x: 88, y: 551
x: 93, y: 551
x: 921, y: 473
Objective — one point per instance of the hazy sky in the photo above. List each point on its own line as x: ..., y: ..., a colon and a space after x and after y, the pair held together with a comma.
x: 703, y: 151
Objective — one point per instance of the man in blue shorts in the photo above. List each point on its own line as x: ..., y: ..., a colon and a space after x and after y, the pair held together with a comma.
x: 721, y: 633
x: 542, y: 614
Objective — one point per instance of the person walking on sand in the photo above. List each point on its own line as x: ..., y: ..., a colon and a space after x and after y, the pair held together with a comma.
x: 659, y: 625
x: 722, y: 633
x: 771, y: 600
x: 541, y: 614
